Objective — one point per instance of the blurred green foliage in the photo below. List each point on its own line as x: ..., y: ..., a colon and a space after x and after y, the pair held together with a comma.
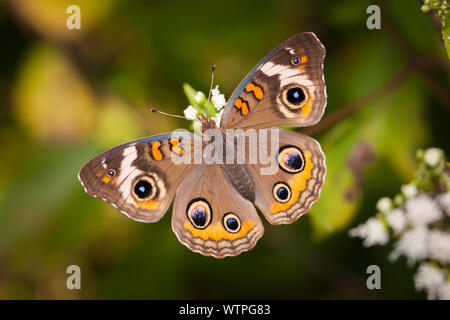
x: 67, y: 95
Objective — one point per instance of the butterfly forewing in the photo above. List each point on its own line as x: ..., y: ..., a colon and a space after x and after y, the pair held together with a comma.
x: 287, y: 88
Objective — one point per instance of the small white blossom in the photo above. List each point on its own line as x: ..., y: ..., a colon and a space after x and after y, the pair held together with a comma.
x: 396, y: 220
x: 429, y: 278
x: 218, y: 116
x: 217, y: 98
x: 443, y: 292
x: 444, y: 201
x: 422, y: 210
x: 439, y: 246
x: 433, y: 156
x: 190, y: 112
x: 412, y: 245
x: 373, y: 232
x: 198, y: 96
x: 409, y: 190
x: 384, y: 204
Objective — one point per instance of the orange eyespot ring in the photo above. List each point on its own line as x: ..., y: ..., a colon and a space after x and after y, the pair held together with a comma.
x: 281, y: 192
x: 231, y: 222
x: 291, y: 159
x: 199, y: 213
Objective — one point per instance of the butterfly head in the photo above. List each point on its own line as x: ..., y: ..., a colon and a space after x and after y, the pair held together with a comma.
x: 207, y: 123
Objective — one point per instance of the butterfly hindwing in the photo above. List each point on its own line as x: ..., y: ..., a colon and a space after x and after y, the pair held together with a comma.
x: 211, y: 217
x: 295, y: 183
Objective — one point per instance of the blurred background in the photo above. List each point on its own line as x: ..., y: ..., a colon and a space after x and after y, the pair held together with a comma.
x: 67, y: 95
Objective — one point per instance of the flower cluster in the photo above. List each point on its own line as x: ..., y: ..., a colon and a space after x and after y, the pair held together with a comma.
x: 440, y: 6
x: 417, y: 219
x: 199, y: 104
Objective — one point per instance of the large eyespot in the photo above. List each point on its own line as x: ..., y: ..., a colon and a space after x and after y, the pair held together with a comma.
x: 231, y: 222
x: 291, y: 159
x: 295, y: 60
x: 282, y: 192
x: 199, y: 213
x: 111, y: 172
x: 145, y: 188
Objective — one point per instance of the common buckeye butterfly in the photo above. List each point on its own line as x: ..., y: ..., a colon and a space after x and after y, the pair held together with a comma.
x: 213, y: 211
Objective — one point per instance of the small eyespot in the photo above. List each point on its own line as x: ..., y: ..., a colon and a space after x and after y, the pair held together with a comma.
x: 199, y: 213
x: 291, y: 159
x: 295, y: 60
x: 282, y: 192
x: 295, y: 95
x: 111, y: 172
x: 231, y: 222
x: 145, y: 188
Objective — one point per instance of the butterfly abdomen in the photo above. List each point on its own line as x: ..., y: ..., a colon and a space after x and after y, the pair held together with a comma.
x: 241, y: 180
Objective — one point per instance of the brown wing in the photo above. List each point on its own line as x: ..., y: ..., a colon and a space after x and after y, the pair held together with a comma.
x: 286, y: 189
x: 286, y: 88
x: 211, y: 217
x: 139, y: 178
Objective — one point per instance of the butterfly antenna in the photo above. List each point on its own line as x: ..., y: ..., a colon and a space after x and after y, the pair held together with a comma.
x: 213, y: 68
x: 168, y: 114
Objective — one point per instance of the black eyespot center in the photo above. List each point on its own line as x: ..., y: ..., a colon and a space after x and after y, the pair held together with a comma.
x: 295, y: 95
x: 293, y: 160
x: 143, y: 189
x: 198, y: 215
x: 281, y: 192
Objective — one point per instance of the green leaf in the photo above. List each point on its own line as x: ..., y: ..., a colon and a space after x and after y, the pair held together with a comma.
x: 446, y: 33
x: 380, y: 127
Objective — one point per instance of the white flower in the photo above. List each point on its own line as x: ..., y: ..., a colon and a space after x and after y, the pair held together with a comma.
x: 412, y: 244
x: 198, y: 96
x: 439, y: 246
x: 433, y: 156
x: 443, y: 292
x: 190, y: 112
x: 422, y: 210
x: 429, y: 278
x: 218, y: 116
x: 396, y: 220
x: 444, y: 201
x: 409, y: 190
x: 384, y: 204
x: 373, y: 232
x: 217, y: 98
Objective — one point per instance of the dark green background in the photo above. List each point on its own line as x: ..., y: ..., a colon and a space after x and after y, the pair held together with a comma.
x: 66, y: 95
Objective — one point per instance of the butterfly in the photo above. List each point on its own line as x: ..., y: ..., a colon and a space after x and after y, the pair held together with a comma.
x: 214, y: 208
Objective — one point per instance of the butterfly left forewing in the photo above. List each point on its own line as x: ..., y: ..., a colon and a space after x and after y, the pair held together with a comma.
x: 286, y: 88
x: 139, y: 178
x: 211, y: 217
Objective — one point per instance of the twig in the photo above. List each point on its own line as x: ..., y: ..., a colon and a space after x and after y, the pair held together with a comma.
x: 355, y: 106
